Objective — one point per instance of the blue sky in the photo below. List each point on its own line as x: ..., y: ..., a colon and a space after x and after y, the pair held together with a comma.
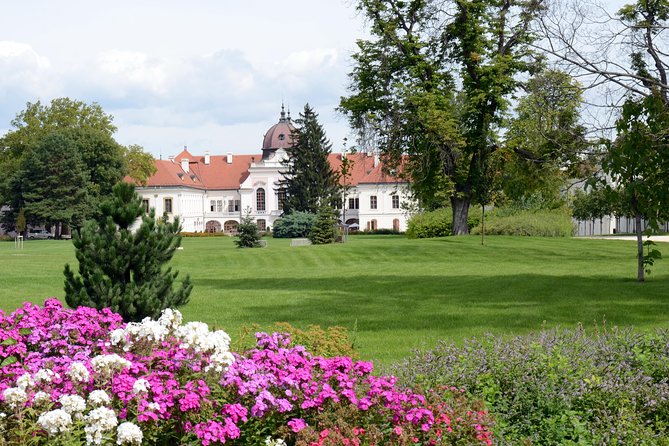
x: 209, y: 74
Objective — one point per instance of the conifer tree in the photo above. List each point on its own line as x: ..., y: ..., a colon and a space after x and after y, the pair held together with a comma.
x: 125, y: 268
x: 248, y: 233
x: 324, y: 230
x: 309, y: 180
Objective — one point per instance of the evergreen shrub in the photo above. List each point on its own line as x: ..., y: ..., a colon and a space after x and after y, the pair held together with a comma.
x: 559, y: 386
x: 537, y: 223
x: 249, y: 237
x: 324, y: 230
x: 295, y: 225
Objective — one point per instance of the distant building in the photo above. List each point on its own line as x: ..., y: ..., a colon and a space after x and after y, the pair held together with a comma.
x: 213, y: 192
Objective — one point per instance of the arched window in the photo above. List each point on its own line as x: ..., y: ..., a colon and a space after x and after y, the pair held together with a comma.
x: 396, y: 225
x: 262, y: 224
x: 260, y: 199
x: 213, y: 226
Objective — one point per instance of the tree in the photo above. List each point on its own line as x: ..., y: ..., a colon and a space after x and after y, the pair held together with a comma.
x: 50, y: 186
x: 139, y: 164
x: 88, y: 130
x: 122, y: 260
x: 638, y: 165
x: 21, y: 224
x: 248, y: 233
x: 435, y: 83
x: 324, y: 230
x: 545, y: 143
x: 309, y: 179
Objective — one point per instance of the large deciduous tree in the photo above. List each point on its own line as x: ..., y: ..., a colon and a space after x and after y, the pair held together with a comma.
x: 122, y: 267
x: 88, y: 131
x: 309, y: 180
x: 434, y: 83
x: 139, y: 164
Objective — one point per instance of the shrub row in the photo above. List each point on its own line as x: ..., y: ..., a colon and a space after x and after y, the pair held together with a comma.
x: 560, y: 386
x: 538, y: 223
x: 437, y: 223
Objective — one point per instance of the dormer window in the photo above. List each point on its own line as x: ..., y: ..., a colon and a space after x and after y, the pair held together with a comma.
x: 282, y: 137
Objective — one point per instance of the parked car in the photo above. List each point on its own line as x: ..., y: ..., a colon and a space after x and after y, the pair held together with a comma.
x: 39, y: 234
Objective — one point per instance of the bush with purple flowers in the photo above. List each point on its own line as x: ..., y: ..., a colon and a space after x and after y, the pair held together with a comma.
x: 84, y: 377
x: 560, y: 386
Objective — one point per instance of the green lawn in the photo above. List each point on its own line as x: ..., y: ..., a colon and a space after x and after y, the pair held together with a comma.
x: 397, y: 294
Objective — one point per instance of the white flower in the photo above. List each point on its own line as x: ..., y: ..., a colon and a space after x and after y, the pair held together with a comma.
x: 41, y: 397
x: 219, y: 362
x: 24, y: 381
x: 78, y: 372
x: 269, y: 441
x: 55, y: 421
x: 148, y: 329
x: 140, y: 386
x: 107, y: 363
x: 170, y: 318
x: 129, y: 433
x: 46, y: 376
x: 98, y: 398
x: 98, y: 422
x: 154, y: 407
x: 117, y: 337
x: 72, y: 404
x: 14, y: 396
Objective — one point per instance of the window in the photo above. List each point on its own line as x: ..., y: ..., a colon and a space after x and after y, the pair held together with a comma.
x: 262, y: 225
x: 212, y: 205
x: 372, y: 202
x: 145, y: 205
x: 396, y: 225
x: 233, y: 206
x: 219, y: 206
x: 396, y: 201
x: 168, y: 205
x: 281, y: 195
x: 260, y: 199
x: 354, y: 203
x: 371, y: 225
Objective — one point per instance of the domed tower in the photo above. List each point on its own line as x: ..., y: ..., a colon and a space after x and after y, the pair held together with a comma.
x: 278, y: 136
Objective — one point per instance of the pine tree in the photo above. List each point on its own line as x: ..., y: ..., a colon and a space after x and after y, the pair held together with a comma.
x: 248, y: 233
x: 324, y: 230
x: 124, y: 268
x: 309, y: 180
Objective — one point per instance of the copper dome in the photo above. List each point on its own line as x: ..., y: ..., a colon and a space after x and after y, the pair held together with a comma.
x: 278, y: 136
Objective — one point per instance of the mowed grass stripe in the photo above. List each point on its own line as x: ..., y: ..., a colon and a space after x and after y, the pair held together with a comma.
x: 397, y: 294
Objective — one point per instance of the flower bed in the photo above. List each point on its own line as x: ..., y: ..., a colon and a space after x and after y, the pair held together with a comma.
x: 83, y: 376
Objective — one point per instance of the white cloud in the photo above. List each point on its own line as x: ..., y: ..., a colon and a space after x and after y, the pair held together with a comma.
x: 135, y: 70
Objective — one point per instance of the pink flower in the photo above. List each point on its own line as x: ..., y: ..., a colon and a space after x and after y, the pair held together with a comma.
x: 297, y: 424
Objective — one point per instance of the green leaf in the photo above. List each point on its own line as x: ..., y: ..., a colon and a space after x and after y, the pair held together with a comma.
x: 26, y: 331
x: 8, y: 361
x: 8, y: 341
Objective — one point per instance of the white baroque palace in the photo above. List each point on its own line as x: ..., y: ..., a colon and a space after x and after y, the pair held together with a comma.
x: 213, y: 192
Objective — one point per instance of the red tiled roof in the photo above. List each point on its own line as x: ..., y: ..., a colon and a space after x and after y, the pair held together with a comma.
x: 218, y: 174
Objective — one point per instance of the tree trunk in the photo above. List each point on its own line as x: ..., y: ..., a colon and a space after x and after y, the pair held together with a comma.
x: 460, y: 212
x: 639, y: 246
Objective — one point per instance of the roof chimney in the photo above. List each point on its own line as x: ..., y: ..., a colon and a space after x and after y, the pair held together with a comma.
x: 171, y: 158
x: 184, y: 164
x: 376, y: 159
x: 207, y: 158
x: 229, y: 158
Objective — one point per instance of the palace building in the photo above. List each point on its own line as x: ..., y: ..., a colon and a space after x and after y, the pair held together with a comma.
x: 213, y: 192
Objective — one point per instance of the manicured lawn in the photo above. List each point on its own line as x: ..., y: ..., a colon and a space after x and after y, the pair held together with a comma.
x: 397, y: 294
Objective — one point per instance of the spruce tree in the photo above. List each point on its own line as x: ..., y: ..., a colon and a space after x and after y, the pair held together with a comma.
x: 122, y: 267
x: 309, y: 180
x: 248, y: 233
x: 324, y: 230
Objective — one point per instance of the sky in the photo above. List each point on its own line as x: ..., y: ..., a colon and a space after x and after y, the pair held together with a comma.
x: 207, y: 74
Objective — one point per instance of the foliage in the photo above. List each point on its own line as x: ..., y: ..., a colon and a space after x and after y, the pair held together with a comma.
x: 638, y: 162
x: 122, y: 265
x: 545, y: 143
x: 560, y: 386
x: 309, y: 180
x: 140, y: 165
x: 437, y: 223
x: 294, y: 225
x: 249, y: 237
x: 535, y: 223
x: 88, y: 131
x: 330, y: 342
x: 75, y: 375
x: 51, y: 185
x: 434, y: 83
x: 324, y: 229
